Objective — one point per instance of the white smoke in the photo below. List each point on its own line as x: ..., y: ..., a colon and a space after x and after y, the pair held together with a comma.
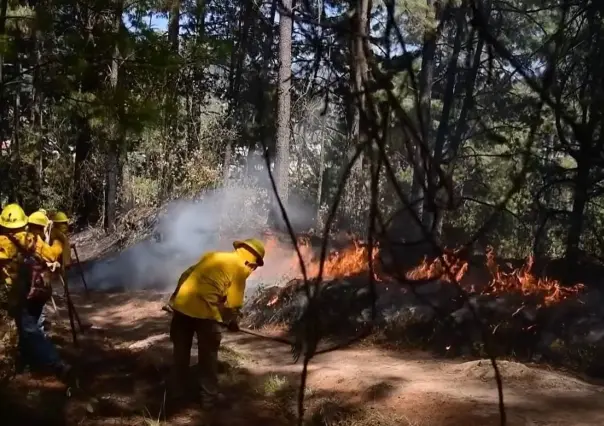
x: 187, y: 229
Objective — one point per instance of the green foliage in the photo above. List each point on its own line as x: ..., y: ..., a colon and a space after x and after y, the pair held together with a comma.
x: 176, y: 104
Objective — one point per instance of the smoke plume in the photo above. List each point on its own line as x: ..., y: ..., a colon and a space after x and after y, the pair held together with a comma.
x: 189, y: 228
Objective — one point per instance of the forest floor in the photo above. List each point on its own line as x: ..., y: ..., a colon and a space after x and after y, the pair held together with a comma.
x: 122, y: 363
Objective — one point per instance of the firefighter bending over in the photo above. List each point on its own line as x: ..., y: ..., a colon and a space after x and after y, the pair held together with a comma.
x: 209, y: 293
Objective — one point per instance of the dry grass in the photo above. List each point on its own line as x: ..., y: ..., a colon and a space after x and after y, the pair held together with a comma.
x: 274, y: 384
x: 335, y: 412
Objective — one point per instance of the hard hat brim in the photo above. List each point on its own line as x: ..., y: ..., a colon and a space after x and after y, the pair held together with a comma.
x: 43, y: 225
x: 14, y: 225
x: 238, y: 244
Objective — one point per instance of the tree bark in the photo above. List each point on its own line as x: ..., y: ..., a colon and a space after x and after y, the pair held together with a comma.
x: 426, y: 77
x: 3, y: 123
x: 117, y: 137
x: 431, y: 216
x: 84, y: 199
x: 356, y: 120
x: 37, y: 98
x: 197, y: 93
x: 581, y: 188
x: 171, y: 109
x: 236, y: 70
x: 284, y: 101
x: 263, y: 86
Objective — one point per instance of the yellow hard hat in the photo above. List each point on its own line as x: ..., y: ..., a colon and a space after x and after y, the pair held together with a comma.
x: 59, y: 217
x: 38, y: 218
x: 255, y: 246
x: 13, y: 217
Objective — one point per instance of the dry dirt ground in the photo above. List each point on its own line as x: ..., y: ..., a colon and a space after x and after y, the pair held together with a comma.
x: 122, y: 363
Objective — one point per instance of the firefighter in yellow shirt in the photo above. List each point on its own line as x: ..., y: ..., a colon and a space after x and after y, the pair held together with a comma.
x: 209, y: 293
x: 59, y: 238
x: 39, y: 225
x: 8, y: 330
x: 20, y: 275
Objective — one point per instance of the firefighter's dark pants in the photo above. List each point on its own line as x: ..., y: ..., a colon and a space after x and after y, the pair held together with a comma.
x: 209, y: 335
x: 34, y: 346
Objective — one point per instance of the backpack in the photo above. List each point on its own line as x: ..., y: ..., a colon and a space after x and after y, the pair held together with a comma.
x: 33, y: 279
x: 36, y: 281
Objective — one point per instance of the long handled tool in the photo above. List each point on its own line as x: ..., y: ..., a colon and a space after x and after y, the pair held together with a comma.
x: 75, y: 251
x: 73, y: 313
x: 278, y: 339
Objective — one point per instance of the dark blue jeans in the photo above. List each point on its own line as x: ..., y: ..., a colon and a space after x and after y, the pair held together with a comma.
x: 35, y: 348
x: 36, y: 310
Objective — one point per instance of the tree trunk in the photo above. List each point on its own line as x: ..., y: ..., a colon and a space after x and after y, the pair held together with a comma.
x: 284, y: 101
x: 196, y: 94
x: 321, y: 167
x: 117, y: 137
x: 262, y: 99
x: 16, y: 141
x: 235, y: 70
x: 431, y: 216
x: 356, y: 118
x: 468, y: 99
x: 37, y: 98
x: 172, y: 163
x: 426, y: 77
x: 581, y: 188
x: 3, y: 123
x: 84, y: 199
x: 111, y: 182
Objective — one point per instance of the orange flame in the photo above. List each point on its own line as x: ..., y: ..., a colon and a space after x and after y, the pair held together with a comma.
x: 444, y: 268
x: 353, y: 260
x: 521, y: 280
x: 282, y: 260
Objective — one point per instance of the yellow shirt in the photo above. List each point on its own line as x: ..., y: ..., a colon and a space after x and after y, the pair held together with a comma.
x: 203, y: 287
x: 50, y: 253
x: 8, y: 250
x: 10, y: 259
x: 60, y: 243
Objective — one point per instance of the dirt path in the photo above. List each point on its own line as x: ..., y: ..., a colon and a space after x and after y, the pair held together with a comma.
x: 435, y: 392
x: 418, y: 387
x: 391, y: 387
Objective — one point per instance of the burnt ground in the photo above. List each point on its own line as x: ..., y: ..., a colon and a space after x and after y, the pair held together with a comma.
x: 122, y: 362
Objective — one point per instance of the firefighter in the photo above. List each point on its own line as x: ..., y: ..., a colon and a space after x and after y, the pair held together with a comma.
x: 39, y: 225
x: 8, y: 330
x: 20, y: 278
x: 59, y: 237
x: 60, y: 249
x: 209, y: 293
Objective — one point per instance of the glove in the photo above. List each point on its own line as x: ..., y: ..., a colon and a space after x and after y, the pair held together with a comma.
x: 53, y: 266
x: 233, y: 326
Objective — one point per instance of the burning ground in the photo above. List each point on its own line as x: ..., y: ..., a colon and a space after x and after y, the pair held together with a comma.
x: 525, y: 316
